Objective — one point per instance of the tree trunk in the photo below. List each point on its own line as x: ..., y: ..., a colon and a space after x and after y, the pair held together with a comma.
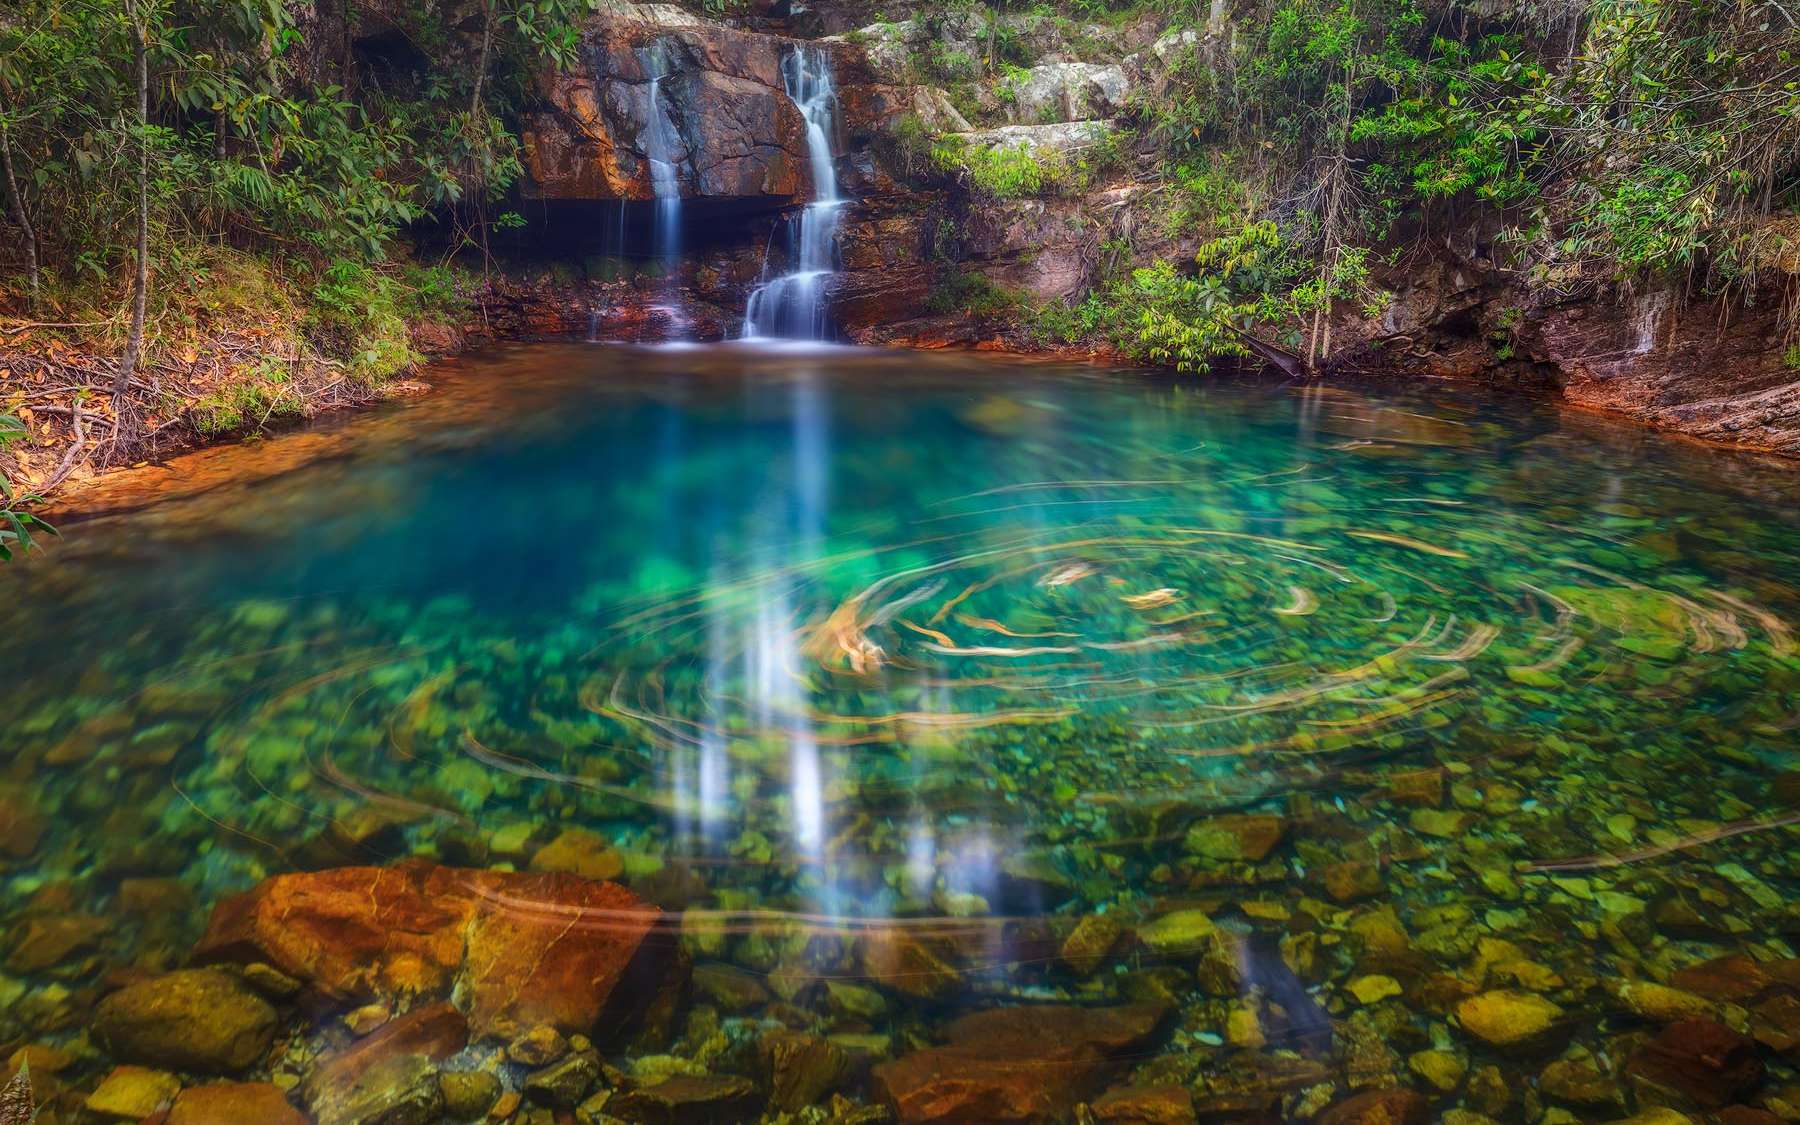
x: 487, y: 38
x: 140, y: 286
x: 19, y: 214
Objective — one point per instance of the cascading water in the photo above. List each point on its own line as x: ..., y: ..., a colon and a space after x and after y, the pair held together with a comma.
x: 793, y: 305
x: 662, y: 146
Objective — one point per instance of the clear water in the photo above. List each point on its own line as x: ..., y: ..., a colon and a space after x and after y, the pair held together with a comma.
x: 820, y: 637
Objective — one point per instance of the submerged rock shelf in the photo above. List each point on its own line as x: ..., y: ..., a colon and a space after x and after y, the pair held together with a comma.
x: 857, y: 737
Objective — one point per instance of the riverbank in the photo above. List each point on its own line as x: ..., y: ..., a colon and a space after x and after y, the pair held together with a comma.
x: 186, y: 459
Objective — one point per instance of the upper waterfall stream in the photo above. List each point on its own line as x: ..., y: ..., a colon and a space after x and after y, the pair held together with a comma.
x: 793, y: 304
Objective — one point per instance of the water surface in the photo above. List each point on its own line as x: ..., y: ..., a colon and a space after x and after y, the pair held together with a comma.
x: 817, y: 640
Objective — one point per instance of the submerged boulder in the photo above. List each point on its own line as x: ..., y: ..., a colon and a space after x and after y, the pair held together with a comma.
x: 1016, y: 1064
x: 519, y: 949
x: 192, y: 1019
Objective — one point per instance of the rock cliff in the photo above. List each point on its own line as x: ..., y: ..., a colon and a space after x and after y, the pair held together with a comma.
x: 918, y: 246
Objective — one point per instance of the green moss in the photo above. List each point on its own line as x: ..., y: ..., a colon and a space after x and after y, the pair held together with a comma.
x: 967, y: 291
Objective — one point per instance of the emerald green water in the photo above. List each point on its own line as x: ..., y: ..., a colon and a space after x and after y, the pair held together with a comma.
x: 836, y: 636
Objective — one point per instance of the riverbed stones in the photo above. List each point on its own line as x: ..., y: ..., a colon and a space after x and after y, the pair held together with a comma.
x: 133, y: 1093
x: 468, y: 1093
x: 46, y: 942
x: 1661, y: 1004
x: 1015, y: 1063
x: 1238, y: 838
x: 580, y: 852
x: 684, y: 1099
x: 1180, y: 933
x: 540, y: 1046
x: 253, y: 1103
x: 906, y: 963
x: 388, y: 1068
x: 1090, y: 943
x: 1509, y: 1019
x: 1351, y: 880
x: 395, y: 1090
x: 191, y: 1019
x: 1163, y: 1104
x: 1391, y: 1106
x: 1442, y: 1070
x: 566, y: 1082
x: 1579, y: 1081
x: 523, y: 949
x: 1701, y: 1062
x: 802, y: 1068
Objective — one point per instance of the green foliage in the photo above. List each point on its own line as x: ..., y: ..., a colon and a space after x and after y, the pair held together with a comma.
x: 1791, y: 357
x: 907, y: 144
x: 248, y: 144
x: 360, y: 314
x: 1003, y: 171
x: 967, y: 291
x: 17, y: 526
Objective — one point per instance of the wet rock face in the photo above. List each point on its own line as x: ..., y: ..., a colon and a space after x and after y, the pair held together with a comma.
x: 740, y: 135
x: 520, y: 949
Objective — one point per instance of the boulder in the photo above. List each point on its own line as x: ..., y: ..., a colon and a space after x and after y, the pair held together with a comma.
x: 738, y: 134
x: 1702, y: 1061
x: 468, y: 1093
x: 580, y: 852
x: 1067, y: 91
x: 1236, y: 838
x: 688, y: 1100
x: 46, y: 942
x: 1090, y: 943
x: 566, y: 1082
x: 1509, y: 1019
x: 1393, y: 1106
x: 22, y: 826
x: 1168, y: 1104
x: 802, y: 1068
x: 133, y: 1093
x: 396, y: 1090
x: 257, y: 1103
x: 1015, y: 1064
x: 906, y: 962
x: 191, y: 1019
x: 520, y: 949
x: 432, y: 1033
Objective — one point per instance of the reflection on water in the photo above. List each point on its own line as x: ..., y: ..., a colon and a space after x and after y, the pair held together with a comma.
x: 1373, y: 752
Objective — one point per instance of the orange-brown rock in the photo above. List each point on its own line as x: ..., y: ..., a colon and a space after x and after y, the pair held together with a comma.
x: 1379, y: 1107
x: 1015, y: 1064
x: 688, y: 1100
x: 21, y: 825
x: 1145, y: 1105
x: 521, y: 949
x: 1705, y: 1062
x: 907, y: 962
x: 1735, y: 977
x: 435, y: 1031
x: 226, y: 1103
x: 967, y: 1084
x: 1023, y: 1030
x: 739, y: 135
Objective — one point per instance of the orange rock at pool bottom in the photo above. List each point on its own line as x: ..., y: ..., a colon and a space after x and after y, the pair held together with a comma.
x: 233, y: 1103
x: 1016, y: 1064
x: 519, y: 949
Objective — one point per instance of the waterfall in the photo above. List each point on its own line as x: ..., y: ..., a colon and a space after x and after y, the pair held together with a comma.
x: 662, y: 148
x: 793, y: 305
